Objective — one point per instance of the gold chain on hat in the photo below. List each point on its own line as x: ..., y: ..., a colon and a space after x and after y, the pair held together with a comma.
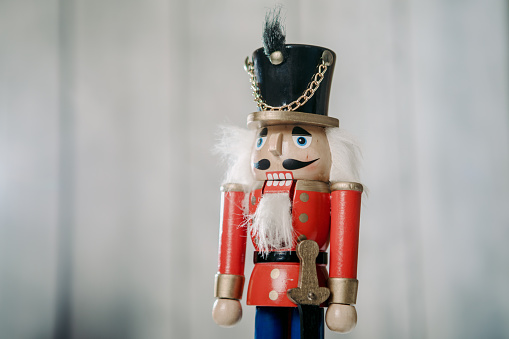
x: 317, y: 78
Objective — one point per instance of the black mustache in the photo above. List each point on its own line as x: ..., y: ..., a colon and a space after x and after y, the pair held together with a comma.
x: 292, y: 164
x: 289, y: 164
x: 262, y: 164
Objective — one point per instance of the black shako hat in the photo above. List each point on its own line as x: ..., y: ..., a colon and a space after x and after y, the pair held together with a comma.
x: 292, y: 85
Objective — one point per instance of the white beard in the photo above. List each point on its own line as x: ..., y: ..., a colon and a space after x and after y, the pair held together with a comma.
x: 271, y: 224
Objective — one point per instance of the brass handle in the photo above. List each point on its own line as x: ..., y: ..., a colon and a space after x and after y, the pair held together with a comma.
x: 308, y: 292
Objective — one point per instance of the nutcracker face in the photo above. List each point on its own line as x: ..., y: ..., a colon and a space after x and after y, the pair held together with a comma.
x: 302, y: 150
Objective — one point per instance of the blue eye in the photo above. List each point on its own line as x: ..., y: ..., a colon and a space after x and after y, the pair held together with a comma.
x: 302, y: 141
x: 259, y: 142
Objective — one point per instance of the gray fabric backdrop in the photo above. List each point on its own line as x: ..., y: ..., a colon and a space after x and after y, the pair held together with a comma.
x: 109, y: 200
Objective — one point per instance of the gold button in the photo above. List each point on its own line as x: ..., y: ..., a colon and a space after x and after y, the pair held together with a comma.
x: 273, y: 295
x: 274, y: 274
x: 304, y: 197
x: 253, y: 199
x: 303, y: 217
x: 276, y: 57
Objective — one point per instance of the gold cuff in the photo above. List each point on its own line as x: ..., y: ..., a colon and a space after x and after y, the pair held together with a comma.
x: 342, y: 290
x: 346, y: 186
x: 228, y: 286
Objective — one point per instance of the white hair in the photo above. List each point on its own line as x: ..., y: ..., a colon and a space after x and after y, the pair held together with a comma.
x: 235, y: 146
x: 345, y: 155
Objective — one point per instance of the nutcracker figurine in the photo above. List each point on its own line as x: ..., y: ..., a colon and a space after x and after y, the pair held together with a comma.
x: 293, y: 189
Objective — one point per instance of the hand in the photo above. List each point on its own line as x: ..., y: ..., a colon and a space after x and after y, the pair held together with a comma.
x: 226, y: 312
x: 341, y: 318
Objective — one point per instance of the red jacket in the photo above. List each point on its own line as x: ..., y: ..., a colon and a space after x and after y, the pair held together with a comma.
x: 317, y: 213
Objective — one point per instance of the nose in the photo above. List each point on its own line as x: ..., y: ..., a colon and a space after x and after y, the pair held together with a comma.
x: 276, y: 144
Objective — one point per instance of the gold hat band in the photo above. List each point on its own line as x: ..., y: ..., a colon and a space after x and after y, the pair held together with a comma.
x: 268, y: 118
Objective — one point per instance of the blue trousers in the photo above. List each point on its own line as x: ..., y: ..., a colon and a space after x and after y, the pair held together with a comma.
x: 280, y: 323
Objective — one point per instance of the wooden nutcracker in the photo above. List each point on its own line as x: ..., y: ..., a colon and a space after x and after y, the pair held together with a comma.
x: 294, y: 195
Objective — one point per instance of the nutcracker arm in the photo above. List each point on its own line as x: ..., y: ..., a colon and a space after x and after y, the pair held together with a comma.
x: 233, y: 230
x: 344, y: 234
x: 229, y: 281
x: 341, y: 315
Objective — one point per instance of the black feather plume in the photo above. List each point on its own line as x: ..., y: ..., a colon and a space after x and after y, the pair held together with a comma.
x: 274, y: 35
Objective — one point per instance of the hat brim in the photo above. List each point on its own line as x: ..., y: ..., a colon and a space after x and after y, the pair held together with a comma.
x: 269, y: 118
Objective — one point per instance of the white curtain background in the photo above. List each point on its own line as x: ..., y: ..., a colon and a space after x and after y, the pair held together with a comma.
x: 109, y: 191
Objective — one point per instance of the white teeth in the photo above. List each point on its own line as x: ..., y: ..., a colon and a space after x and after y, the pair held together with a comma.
x: 283, y: 179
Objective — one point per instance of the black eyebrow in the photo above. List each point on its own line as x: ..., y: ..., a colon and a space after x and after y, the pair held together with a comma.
x: 299, y: 131
x: 263, y: 132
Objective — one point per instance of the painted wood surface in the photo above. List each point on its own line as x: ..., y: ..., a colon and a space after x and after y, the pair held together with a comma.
x: 109, y: 190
